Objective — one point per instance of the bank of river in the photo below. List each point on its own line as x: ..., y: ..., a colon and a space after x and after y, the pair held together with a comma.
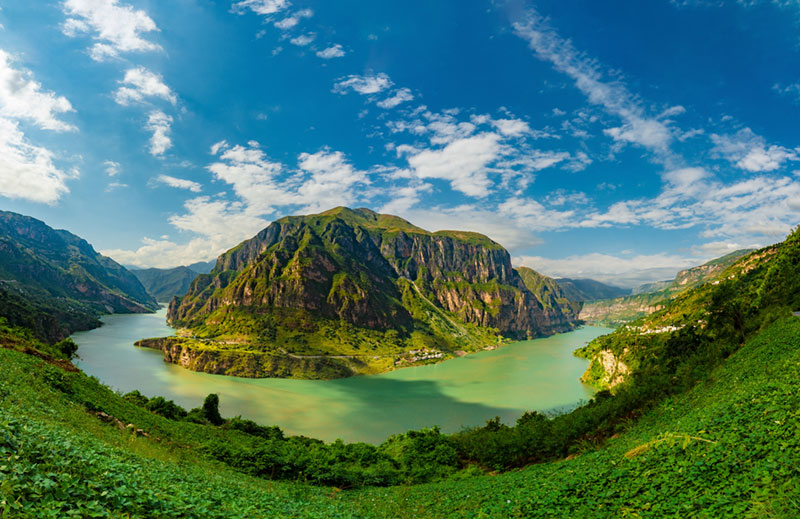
x: 540, y: 374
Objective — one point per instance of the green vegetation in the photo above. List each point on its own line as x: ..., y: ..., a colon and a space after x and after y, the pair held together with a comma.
x: 703, y: 422
x: 54, y: 283
x: 164, y: 284
x: 362, y: 291
x: 653, y: 297
x: 727, y: 447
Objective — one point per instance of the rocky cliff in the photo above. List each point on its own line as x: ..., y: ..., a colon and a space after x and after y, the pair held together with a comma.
x: 312, y: 283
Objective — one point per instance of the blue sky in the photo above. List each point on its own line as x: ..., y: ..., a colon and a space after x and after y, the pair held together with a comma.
x: 615, y: 140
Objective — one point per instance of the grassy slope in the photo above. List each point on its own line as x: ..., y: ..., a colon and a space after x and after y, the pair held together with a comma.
x: 730, y: 447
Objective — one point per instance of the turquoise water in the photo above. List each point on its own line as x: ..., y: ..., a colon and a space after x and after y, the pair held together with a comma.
x: 540, y: 374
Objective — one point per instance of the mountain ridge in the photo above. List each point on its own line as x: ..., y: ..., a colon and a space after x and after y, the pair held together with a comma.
x: 56, y: 283
x: 303, y: 278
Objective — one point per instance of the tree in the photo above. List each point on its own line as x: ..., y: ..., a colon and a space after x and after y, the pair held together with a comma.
x: 211, y: 409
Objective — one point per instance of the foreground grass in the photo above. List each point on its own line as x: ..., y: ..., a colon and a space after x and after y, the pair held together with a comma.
x: 730, y: 447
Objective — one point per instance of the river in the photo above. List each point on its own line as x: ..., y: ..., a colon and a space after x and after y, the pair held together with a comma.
x: 539, y: 374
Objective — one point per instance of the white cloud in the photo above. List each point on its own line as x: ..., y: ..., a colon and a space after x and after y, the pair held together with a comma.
x: 400, y: 96
x: 253, y: 176
x: 637, y: 127
x: 511, y: 127
x: 113, y: 186
x: 27, y: 171
x: 463, y: 162
x: 116, y: 27
x: 112, y: 168
x: 160, y: 124
x: 334, y: 51
x: 140, y: 83
x: 303, y: 39
x: 292, y: 21
x: 22, y: 97
x: 404, y: 198
x: 331, y: 180
x: 750, y: 152
x: 364, y: 85
x: 180, y: 183
x: 263, y: 7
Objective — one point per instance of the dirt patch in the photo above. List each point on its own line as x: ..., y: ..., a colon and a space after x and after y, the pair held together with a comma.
x: 59, y: 363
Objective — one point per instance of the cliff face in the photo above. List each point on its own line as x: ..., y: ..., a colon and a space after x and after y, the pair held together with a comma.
x: 351, y: 265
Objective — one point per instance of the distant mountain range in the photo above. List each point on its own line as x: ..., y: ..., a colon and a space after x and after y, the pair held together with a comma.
x: 164, y: 284
x: 54, y: 282
x: 652, y: 297
x: 584, y: 290
x: 352, y: 291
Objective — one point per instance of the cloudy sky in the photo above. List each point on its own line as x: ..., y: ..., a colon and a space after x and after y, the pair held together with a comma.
x: 621, y: 141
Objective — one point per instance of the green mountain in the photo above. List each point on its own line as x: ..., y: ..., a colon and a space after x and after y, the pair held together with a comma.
x: 742, y: 293
x: 653, y: 297
x: 550, y: 293
x: 54, y: 282
x: 352, y: 291
x: 584, y: 290
x: 203, y: 267
x: 164, y: 284
x: 702, y: 424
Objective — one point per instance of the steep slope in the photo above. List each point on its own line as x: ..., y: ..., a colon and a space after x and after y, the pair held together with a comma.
x: 164, y: 284
x: 550, y: 293
x: 584, y: 290
x: 708, y: 320
x: 652, y: 297
x: 363, y: 285
x: 727, y: 448
x: 61, y: 280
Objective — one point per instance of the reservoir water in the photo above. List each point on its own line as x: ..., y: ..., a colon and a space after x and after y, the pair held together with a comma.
x: 540, y: 374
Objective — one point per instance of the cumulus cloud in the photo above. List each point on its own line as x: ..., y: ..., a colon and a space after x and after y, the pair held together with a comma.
x: 750, y: 152
x: 180, y: 183
x: 115, y: 27
x: 263, y: 7
x: 303, y: 39
x: 28, y: 171
x: 334, y: 51
x: 511, y: 127
x: 22, y: 97
x: 291, y: 21
x: 364, y: 85
x: 400, y: 96
x: 464, y: 162
x: 139, y: 84
x: 112, y: 168
x: 160, y: 124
